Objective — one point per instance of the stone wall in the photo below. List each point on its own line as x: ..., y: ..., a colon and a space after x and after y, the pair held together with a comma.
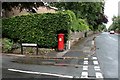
x: 89, y: 33
x: 75, y: 36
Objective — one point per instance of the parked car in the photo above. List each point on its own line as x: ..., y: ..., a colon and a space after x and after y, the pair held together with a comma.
x: 112, y: 32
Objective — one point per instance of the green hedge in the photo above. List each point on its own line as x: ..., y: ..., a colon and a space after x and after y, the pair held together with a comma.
x: 37, y: 28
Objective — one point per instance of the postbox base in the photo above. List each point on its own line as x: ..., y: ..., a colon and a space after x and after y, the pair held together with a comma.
x: 60, y: 50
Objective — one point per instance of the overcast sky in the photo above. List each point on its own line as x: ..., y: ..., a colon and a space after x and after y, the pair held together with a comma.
x: 111, y: 9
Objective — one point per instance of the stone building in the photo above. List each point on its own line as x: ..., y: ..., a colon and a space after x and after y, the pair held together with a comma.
x: 15, y: 11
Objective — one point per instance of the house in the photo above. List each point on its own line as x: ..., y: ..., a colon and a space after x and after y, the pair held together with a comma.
x: 16, y: 11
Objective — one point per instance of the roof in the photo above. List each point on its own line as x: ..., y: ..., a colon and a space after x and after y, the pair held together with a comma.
x: 46, y: 4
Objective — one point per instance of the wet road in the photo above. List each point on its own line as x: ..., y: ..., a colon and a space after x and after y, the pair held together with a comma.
x: 48, y: 69
x: 119, y: 56
x: 7, y: 64
x: 107, y: 53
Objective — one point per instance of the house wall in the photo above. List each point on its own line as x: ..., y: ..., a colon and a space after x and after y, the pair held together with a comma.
x: 16, y: 11
x: 44, y: 9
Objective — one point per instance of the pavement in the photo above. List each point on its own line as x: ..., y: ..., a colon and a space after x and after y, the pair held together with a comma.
x: 82, y: 48
x: 79, y: 50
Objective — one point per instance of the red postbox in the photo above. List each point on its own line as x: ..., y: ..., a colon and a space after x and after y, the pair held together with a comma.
x: 60, y: 42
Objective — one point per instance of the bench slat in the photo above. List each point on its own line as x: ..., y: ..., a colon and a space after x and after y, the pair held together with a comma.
x: 28, y: 44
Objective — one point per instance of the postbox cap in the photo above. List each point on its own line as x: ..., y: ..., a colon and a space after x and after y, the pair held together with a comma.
x: 60, y: 34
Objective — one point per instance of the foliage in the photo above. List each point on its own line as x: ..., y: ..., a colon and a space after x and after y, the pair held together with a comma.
x: 83, y: 25
x: 37, y: 28
x: 7, y: 45
x: 93, y: 12
x: 116, y: 23
x: 77, y: 24
x: 0, y: 28
x: 102, y: 28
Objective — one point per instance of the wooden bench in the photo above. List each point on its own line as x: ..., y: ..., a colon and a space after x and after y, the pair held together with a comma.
x: 29, y: 45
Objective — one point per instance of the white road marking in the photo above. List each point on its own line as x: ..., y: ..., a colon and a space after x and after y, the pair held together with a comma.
x: 110, y: 58
x: 95, y: 62
x: 86, y: 51
x: 97, y: 36
x: 85, y: 67
x: 84, y: 75
x: 112, y: 38
x: 117, y: 34
x: 97, y: 68
x: 105, y: 33
x: 92, y: 42
x: 76, y: 77
x: 85, y: 62
x: 99, y: 75
x: 50, y: 74
x: 85, y: 58
x: 94, y: 58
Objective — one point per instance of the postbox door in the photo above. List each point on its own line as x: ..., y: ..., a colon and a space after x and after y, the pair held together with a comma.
x: 60, y: 41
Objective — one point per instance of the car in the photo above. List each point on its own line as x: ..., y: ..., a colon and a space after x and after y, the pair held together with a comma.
x: 112, y: 32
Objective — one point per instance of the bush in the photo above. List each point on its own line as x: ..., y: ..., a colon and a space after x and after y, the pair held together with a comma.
x: 82, y: 25
x: 77, y: 24
x: 37, y: 28
x: 74, y: 22
x: 6, y: 45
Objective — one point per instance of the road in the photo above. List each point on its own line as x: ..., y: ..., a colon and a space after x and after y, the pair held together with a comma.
x: 107, y: 54
x: 119, y: 57
x: 40, y: 69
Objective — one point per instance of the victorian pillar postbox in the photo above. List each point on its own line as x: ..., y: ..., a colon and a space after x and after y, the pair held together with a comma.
x: 60, y: 42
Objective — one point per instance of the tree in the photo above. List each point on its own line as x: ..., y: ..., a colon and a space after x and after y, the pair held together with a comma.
x: 93, y: 12
x: 102, y: 27
x: 116, y: 24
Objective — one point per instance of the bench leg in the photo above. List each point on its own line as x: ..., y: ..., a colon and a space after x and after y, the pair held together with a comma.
x: 37, y: 51
x: 21, y: 50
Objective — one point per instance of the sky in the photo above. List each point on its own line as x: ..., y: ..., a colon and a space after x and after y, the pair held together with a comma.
x: 111, y: 9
